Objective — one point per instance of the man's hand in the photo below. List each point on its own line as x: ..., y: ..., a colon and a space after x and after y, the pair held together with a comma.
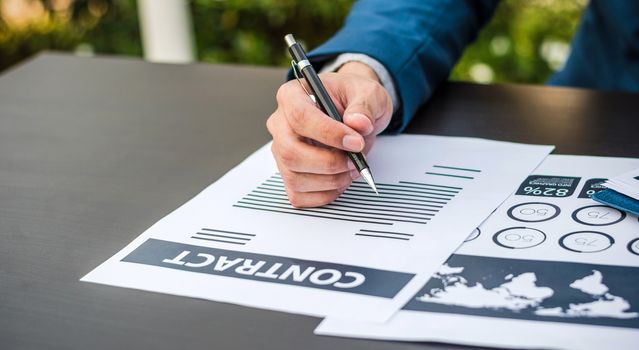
x: 309, y: 146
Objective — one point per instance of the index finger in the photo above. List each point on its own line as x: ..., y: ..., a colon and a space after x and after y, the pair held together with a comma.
x: 307, y: 120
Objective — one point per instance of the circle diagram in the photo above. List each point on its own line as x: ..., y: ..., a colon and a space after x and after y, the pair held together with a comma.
x: 633, y: 246
x: 586, y: 241
x: 519, y: 237
x: 476, y: 232
x: 598, y: 215
x: 533, y: 212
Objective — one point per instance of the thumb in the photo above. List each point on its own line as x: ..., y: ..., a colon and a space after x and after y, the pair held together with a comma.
x: 369, y: 109
x: 359, y: 116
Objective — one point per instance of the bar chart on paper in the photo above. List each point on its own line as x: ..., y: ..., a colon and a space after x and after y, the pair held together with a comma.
x: 360, y: 257
x: 399, y: 202
x: 404, y: 201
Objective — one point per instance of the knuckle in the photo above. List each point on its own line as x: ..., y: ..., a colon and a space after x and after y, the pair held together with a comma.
x: 381, y: 94
x: 323, y: 134
x: 367, y: 88
x: 338, y: 181
x: 370, y: 89
x: 282, y: 91
x: 328, y: 133
x: 334, y: 163
x: 333, y: 181
x: 363, y: 103
x: 295, y: 199
x: 377, y: 87
x: 293, y: 183
x: 270, y: 123
x: 384, y: 97
x: 344, y: 181
x: 298, y: 115
x: 286, y: 156
x: 328, y: 197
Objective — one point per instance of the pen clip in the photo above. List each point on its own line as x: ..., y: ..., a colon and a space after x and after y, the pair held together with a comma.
x: 297, y: 76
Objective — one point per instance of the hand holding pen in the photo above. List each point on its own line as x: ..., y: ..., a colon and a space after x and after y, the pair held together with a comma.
x: 313, y: 174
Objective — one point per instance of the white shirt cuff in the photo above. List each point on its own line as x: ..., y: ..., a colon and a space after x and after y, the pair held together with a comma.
x: 381, y: 71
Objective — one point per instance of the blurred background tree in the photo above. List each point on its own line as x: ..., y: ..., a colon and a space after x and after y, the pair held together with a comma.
x: 525, y: 41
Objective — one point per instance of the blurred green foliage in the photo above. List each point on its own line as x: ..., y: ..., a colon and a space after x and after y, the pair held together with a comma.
x: 30, y: 26
x: 525, y: 41
x: 251, y: 31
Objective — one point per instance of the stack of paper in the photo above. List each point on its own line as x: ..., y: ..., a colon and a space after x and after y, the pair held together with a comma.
x: 626, y: 183
x: 550, y: 268
x: 361, y: 257
x: 622, y: 193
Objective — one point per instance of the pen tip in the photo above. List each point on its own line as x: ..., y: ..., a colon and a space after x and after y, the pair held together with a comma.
x: 368, y: 177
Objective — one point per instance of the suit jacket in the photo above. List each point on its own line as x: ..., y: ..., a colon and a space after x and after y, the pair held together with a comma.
x: 419, y: 42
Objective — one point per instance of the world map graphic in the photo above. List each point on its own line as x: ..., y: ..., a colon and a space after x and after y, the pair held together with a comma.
x: 534, y: 290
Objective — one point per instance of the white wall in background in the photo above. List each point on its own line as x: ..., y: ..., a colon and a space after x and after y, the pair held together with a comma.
x: 167, y: 31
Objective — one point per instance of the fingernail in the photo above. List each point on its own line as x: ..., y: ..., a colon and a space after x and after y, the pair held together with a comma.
x: 354, y: 174
x: 353, y: 143
x: 350, y: 165
x: 359, y: 119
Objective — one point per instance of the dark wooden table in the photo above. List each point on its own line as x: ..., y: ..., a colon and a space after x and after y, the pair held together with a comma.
x: 95, y: 150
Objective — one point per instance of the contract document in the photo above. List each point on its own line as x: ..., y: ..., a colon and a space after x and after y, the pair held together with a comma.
x: 361, y: 257
x: 550, y: 269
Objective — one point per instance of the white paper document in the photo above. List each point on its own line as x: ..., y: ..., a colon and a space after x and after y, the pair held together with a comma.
x: 361, y: 257
x: 551, y: 268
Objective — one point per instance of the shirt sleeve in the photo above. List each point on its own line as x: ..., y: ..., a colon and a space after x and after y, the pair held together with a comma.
x: 379, y: 69
x: 417, y: 41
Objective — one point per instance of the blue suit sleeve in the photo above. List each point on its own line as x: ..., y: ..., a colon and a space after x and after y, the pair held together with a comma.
x: 418, y: 41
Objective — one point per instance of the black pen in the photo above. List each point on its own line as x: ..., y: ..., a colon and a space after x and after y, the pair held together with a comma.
x: 324, y: 101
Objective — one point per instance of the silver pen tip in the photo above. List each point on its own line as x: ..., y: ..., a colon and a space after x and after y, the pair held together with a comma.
x: 368, y: 177
x: 290, y: 40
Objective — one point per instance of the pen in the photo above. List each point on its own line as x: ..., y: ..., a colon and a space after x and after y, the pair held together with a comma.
x: 325, y: 103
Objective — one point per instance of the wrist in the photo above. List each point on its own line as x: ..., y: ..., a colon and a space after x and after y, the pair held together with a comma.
x: 359, y: 68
